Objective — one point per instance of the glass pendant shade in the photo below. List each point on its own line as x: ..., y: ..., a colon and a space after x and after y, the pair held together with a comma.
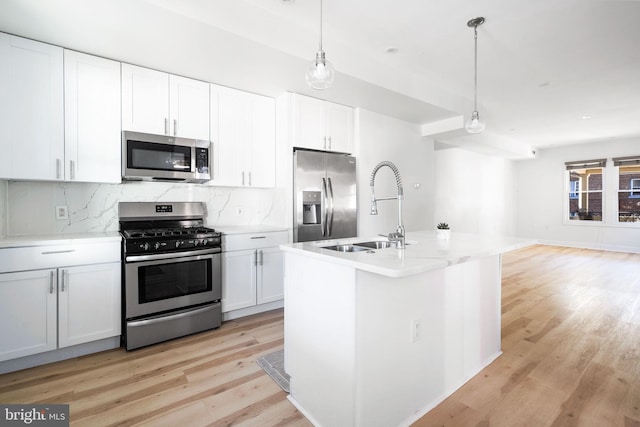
x: 320, y: 73
x: 474, y: 124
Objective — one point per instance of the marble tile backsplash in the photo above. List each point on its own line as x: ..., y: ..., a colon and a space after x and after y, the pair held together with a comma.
x: 31, y: 206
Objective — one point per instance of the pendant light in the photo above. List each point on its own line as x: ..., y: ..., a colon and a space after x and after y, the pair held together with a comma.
x: 320, y: 73
x: 474, y: 124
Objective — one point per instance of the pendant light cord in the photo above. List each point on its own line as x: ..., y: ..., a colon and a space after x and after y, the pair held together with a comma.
x: 320, y: 25
x: 475, y: 87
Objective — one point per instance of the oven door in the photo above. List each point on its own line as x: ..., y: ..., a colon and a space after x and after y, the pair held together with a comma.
x: 163, y: 282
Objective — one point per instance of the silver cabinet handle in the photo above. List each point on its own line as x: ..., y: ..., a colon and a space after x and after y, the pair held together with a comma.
x: 329, y: 143
x: 325, y: 142
x: 255, y: 257
x: 261, y: 257
x: 52, y: 279
x: 58, y: 168
x: 243, y: 178
x: 258, y: 237
x: 67, y: 251
x: 249, y: 178
x: 175, y: 127
x: 65, y: 274
x: 166, y: 126
x: 72, y: 170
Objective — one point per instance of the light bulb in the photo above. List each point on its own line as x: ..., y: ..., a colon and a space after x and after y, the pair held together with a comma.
x: 474, y: 124
x: 320, y: 73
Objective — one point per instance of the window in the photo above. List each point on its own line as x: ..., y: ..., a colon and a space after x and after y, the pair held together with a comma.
x: 574, y: 188
x: 586, y: 189
x: 628, y: 189
x: 634, y: 184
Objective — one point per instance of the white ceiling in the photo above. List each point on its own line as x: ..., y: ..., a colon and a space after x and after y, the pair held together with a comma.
x: 543, y: 64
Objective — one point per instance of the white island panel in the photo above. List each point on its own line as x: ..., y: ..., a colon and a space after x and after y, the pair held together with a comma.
x: 370, y: 344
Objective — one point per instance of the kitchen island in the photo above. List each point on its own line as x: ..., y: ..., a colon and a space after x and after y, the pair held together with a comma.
x: 378, y: 337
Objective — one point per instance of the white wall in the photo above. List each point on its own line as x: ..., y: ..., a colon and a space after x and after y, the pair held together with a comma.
x: 381, y: 138
x: 474, y: 193
x: 541, y: 196
x: 94, y: 207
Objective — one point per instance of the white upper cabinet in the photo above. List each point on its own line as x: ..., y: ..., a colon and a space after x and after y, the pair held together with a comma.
x: 91, y: 118
x: 322, y: 125
x: 31, y: 110
x: 164, y: 104
x: 189, y: 108
x: 243, y: 136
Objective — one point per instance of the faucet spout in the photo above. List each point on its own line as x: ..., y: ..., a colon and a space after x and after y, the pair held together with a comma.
x: 399, y: 235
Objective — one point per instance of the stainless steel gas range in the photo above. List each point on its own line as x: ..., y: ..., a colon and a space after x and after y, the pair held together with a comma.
x: 172, y: 280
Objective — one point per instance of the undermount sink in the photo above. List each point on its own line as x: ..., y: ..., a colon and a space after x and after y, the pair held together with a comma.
x: 376, y: 244
x: 346, y: 248
x: 360, y: 246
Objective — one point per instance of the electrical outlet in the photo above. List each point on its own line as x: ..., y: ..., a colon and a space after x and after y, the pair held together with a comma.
x: 62, y: 212
x: 416, y: 330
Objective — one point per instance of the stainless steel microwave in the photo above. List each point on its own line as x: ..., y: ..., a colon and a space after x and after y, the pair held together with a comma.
x: 149, y: 157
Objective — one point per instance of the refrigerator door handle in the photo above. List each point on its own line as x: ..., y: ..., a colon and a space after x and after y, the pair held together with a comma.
x: 330, y: 220
x: 325, y: 213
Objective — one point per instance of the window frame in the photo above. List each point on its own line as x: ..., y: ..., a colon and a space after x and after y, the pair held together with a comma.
x: 601, y: 164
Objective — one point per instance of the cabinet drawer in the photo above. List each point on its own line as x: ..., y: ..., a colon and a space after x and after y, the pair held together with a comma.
x: 54, y: 256
x: 239, y: 242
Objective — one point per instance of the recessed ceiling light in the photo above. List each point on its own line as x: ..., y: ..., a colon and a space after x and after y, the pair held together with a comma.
x: 586, y: 117
x: 288, y: 1
x: 391, y: 50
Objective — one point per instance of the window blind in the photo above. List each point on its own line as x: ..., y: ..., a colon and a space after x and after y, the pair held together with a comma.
x: 626, y: 161
x: 584, y: 164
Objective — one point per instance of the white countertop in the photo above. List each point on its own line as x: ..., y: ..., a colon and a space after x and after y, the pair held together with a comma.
x: 423, y: 252
x: 58, y: 239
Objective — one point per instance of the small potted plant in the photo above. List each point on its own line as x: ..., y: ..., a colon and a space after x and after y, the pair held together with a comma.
x: 443, y: 231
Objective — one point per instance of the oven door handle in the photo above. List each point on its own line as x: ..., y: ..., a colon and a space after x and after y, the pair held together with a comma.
x: 161, y: 319
x: 171, y: 255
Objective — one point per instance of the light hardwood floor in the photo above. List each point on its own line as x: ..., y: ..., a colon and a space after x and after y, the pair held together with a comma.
x: 571, y: 357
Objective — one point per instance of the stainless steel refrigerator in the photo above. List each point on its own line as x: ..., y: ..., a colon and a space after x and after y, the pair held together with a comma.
x: 324, y: 195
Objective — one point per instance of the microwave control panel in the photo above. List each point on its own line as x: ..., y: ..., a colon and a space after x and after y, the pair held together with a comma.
x: 202, y: 160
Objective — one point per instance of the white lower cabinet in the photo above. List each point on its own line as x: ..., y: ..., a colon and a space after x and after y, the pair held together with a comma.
x: 252, y: 271
x: 49, y: 308
x: 88, y: 303
x: 28, y: 313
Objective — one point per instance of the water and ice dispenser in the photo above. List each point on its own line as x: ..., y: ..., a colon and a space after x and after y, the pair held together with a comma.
x: 311, y: 206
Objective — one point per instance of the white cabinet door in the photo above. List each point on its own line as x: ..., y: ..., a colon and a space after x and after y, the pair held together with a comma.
x: 228, y: 133
x: 145, y: 100
x: 262, y: 141
x: 27, y: 313
x: 270, y: 275
x: 189, y: 108
x: 238, y: 280
x: 322, y: 125
x: 89, y: 303
x: 243, y: 135
x: 92, y: 118
x: 339, y: 120
x: 308, y: 122
x: 31, y: 110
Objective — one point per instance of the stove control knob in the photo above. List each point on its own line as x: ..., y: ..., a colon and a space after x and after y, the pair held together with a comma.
x: 196, y: 242
x: 204, y: 242
x: 145, y: 246
x: 157, y: 245
x: 178, y: 243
